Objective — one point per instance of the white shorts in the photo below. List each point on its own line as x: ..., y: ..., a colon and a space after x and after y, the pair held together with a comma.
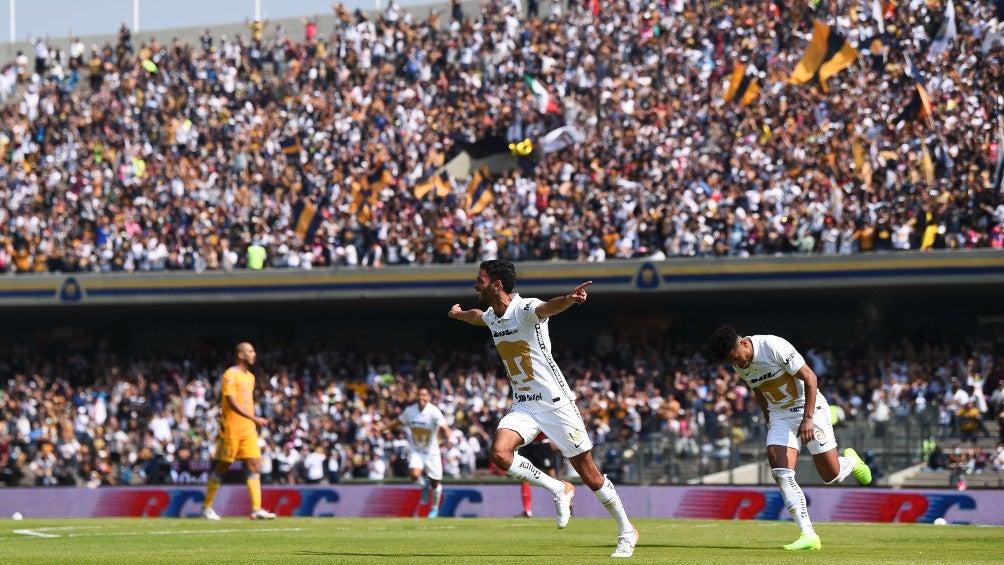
x: 563, y: 426
x: 783, y: 429
x: 430, y: 463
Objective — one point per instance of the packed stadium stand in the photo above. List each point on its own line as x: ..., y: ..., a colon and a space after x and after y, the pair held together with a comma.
x: 359, y: 143
x: 339, y: 145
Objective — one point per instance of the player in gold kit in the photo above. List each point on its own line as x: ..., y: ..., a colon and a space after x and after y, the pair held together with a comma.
x: 238, y: 433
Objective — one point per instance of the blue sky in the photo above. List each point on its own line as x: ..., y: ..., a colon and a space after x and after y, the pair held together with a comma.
x: 102, y: 17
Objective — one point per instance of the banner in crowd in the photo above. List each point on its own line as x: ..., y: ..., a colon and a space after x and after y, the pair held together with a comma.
x: 477, y: 501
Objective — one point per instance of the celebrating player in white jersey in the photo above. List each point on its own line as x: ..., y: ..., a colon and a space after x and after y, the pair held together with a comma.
x: 542, y: 401
x: 785, y: 387
x: 423, y: 422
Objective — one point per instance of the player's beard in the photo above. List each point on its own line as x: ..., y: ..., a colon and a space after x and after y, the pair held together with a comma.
x: 483, y: 298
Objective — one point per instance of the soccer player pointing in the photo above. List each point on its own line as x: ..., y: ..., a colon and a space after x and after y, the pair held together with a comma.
x: 785, y: 387
x: 542, y: 400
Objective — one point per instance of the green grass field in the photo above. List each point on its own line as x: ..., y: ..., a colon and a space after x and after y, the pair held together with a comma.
x: 480, y: 540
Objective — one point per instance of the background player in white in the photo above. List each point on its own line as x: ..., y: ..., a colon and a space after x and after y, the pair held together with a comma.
x: 424, y: 422
x: 785, y: 387
x: 542, y: 401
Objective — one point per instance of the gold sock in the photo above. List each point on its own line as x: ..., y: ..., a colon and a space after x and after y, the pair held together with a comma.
x: 211, y: 488
x: 254, y: 489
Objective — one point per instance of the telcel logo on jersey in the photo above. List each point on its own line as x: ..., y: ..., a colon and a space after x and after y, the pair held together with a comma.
x: 528, y: 397
x: 761, y: 377
x: 503, y: 333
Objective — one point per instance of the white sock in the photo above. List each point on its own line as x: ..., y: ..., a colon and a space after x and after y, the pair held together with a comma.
x: 608, y: 497
x: 437, y: 495
x: 794, y: 499
x: 846, y: 466
x: 522, y: 470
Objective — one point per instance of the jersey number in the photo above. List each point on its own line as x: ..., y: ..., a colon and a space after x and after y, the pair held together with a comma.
x: 516, y: 356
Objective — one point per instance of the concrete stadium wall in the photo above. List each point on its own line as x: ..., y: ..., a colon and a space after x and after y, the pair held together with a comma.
x: 834, y: 504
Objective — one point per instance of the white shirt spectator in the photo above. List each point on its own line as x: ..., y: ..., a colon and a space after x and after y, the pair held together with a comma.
x: 376, y: 468
x: 160, y: 427
x: 313, y: 465
x: 451, y: 461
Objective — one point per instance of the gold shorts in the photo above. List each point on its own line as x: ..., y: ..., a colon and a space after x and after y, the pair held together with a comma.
x: 230, y: 448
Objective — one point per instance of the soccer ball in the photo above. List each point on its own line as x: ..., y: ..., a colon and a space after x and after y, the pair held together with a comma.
x: 17, y: 516
x: 940, y: 521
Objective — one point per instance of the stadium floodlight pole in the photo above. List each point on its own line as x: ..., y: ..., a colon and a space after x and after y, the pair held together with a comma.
x: 257, y: 10
x: 12, y: 10
x: 135, y: 16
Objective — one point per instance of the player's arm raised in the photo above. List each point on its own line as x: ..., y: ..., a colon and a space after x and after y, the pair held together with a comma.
x: 472, y: 316
x: 559, y: 304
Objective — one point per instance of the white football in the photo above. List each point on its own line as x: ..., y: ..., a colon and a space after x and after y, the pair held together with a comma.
x: 17, y: 516
x: 940, y: 521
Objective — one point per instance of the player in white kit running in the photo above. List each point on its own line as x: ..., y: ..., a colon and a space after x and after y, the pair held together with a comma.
x: 542, y: 400
x: 787, y: 392
x: 423, y: 422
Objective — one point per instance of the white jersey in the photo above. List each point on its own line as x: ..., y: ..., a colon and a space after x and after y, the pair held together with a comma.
x: 775, y: 361
x: 423, y: 427
x: 524, y: 345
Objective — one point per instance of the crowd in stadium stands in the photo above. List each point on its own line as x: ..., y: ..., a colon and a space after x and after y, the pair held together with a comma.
x: 276, y: 149
x: 270, y: 150
x: 102, y: 419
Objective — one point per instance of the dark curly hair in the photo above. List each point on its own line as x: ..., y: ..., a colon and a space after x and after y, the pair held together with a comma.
x: 722, y: 342
x: 501, y: 270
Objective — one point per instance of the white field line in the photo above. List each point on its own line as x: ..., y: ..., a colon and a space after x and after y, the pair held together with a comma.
x: 60, y: 528
x: 38, y: 533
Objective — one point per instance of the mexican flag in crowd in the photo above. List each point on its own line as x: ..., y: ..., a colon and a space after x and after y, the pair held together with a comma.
x: 547, y: 102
